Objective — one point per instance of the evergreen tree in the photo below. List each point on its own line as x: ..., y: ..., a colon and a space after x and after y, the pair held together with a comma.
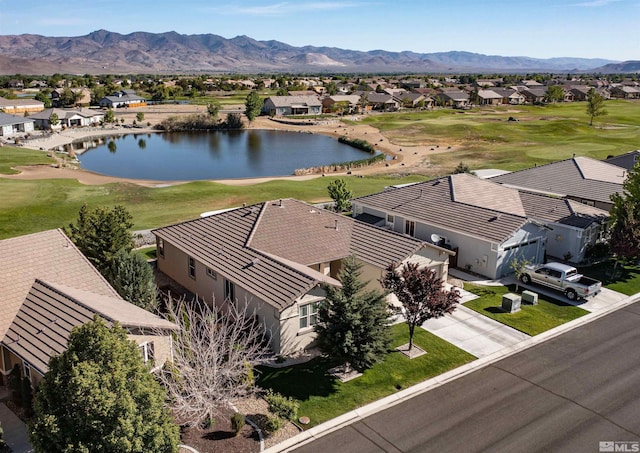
x: 100, y: 233
x: 98, y: 396
x: 340, y: 195
x: 131, y: 275
x: 625, y: 218
x: 353, y: 324
x: 421, y: 293
x: 253, y: 105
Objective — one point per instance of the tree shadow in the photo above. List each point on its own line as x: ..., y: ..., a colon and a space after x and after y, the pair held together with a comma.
x: 219, y: 435
x: 494, y: 310
x: 300, y: 381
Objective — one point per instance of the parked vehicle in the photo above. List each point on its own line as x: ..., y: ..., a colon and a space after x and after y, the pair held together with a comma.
x: 563, y: 278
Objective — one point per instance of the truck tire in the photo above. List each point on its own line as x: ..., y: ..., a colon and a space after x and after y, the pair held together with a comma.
x: 571, y: 294
x: 525, y: 279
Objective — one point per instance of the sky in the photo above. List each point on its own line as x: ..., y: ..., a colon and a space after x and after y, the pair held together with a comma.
x: 608, y: 29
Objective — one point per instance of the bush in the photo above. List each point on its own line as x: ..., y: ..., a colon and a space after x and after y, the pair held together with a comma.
x: 27, y: 396
x: 358, y: 143
x: 282, y: 406
x: 237, y: 422
x: 273, y: 424
x: 15, y: 384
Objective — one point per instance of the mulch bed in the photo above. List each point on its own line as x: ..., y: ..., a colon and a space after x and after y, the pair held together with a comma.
x: 220, y: 437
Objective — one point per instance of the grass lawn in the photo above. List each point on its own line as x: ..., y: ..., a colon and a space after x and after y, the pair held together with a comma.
x: 11, y: 157
x: 149, y: 253
x: 323, y: 397
x: 626, y: 279
x: 531, y: 319
x: 542, y: 135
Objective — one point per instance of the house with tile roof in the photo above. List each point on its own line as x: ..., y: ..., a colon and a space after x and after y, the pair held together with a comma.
x: 488, y: 225
x: 78, y: 117
x: 583, y: 179
x: 20, y: 106
x: 276, y: 256
x: 452, y: 97
x: 122, y: 98
x: 11, y: 125
x: 626, y: 160
x: 292, y: 105
x: 48, y: 287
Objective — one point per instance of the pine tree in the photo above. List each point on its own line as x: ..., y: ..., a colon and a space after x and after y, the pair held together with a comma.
x: 130, y: 275
x: 340, y: 195
x: 98, y: 396
x: 353, y: 324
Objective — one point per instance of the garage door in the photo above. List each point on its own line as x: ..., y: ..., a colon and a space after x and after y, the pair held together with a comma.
x: 531, y: 251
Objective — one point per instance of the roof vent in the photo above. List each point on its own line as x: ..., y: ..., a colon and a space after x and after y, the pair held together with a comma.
x: 336, y: 224
x: 280, y: 202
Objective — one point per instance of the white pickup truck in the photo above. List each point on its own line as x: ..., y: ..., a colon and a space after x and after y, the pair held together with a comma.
x: 562, y: 278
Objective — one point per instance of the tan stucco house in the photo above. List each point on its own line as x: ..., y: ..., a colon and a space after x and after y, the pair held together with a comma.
x: 275, y: 256
x: 48, y: 287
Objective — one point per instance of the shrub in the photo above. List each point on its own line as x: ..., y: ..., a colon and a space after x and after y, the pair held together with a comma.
x: 27, y: 396
x: 358, y: 143
x: 15, y: 384
x: 282, y: 406
x: 237, y: 422
x: 273, y: 424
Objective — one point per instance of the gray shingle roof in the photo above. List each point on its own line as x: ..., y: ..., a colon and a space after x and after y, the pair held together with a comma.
x: 7, y: 120
x: 49, y: 255
x: 579, y: 177
x: 626, y: 160
x: 49, y: 312
x: 561, y: 210
x: 266, y: 248
x: 287, y: 101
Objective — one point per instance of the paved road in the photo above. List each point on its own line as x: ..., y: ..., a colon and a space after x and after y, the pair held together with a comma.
x: 565, y: 395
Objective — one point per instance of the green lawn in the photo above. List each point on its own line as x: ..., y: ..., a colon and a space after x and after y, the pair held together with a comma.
x: 322, y: 397
x: 531, y: 319
x: 149, y: 253
x: 543, y: 134
x: 12, y: 157
x: 625, y: 280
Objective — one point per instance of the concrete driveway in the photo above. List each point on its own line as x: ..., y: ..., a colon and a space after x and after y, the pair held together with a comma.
x: 602, y: 301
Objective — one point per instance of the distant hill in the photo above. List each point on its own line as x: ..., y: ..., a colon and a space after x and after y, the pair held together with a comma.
x: 107, y: 52
x: 626, y: 67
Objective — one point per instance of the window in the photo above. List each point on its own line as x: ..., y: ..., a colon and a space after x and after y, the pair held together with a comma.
x: 27, y: 369
x: 229, y: 291
x: 211, y: 273
x: 147, y: 352
x: 308, y: 315
x: 192, y: 268
x: 160, y: 247
x: 410, y: 227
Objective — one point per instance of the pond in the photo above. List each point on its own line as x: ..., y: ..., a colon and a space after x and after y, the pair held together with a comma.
x: 211, y: 155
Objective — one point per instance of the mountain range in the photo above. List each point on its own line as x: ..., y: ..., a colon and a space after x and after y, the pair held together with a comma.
x: 105, y: 52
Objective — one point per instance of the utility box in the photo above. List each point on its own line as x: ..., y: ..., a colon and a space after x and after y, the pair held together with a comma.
x: 529, y: 297
x: 511, y: 302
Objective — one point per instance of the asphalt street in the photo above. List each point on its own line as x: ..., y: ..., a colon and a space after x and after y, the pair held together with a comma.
x: 565, y: 395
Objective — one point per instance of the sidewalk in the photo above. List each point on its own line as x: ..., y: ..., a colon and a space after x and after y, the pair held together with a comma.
x: 15, y: 431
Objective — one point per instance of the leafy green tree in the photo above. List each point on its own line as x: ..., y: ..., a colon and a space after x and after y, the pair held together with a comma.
x: 353, y: 324
x: 109, y: 116
x: 68, y: 97
x: 234, y: 121
x: 625, y: 218
x: 331, y: 88
x: 595, y: 105
x: 54, y: 120
x: 461, y: 168
x: 519, y: 267
x: 100, y: 233
x: 99, y: 396
x: 253, y: 105
x: 43, y: 96
x: 340, y: 195
x: 213, y: 109
x: 130, y: 275
x: 421, y: 293
x: 140, y: 117
x: 97, y: 93
x: 555, y: 93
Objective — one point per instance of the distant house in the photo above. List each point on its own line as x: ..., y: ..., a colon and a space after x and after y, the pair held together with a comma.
x: 413, y: 100
x: 489, y: 97
x: 535, y: 95
x: 292, y: 105
x: 626, y: 160
x: 582, y: 179
x: 276, y: 256
x: 452, y: 97
x: 11, y: 125
x: 510, y: 96
x: 123, y: 98
x: 625, y: 92
x: 68, y: 118
x: 17, y: 106
x: 349, y: 101
x: 381, y: 102
x: 47, y: 287
x: 83, y: 96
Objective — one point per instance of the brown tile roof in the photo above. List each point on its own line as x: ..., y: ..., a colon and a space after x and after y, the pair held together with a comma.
x: 50, y: 311
x: 266, y: 248
x: 579, y: 177
x: 561, y: 210
x: 435, y: 203
x: 47, y: 255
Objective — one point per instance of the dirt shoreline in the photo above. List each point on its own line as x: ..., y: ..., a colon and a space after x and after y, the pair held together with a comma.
x: 404, y: 159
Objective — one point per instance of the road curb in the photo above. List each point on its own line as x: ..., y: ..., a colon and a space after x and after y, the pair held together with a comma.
x: 389, y: 401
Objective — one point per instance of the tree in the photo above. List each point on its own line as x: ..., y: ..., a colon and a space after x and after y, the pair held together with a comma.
x: 214, y: 353
x: 253, y: 105
x: 461, y: 168
x: 595, y: 105
x: 555, y: 93
x: 44, y: 97
x: 100, y: 233
x: 234, y: 121
x: 340, y: 195
x: 54, y: 120
x: 213, y: 109
x: 421, y: 293
x: 353, y: 324
x: 109, y: 117
x: 140, y: 117
x: 625, y: 218
x: 519, y: 267
x: 68, y: 97
x: 130, y: 275
x: 98, y: 395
